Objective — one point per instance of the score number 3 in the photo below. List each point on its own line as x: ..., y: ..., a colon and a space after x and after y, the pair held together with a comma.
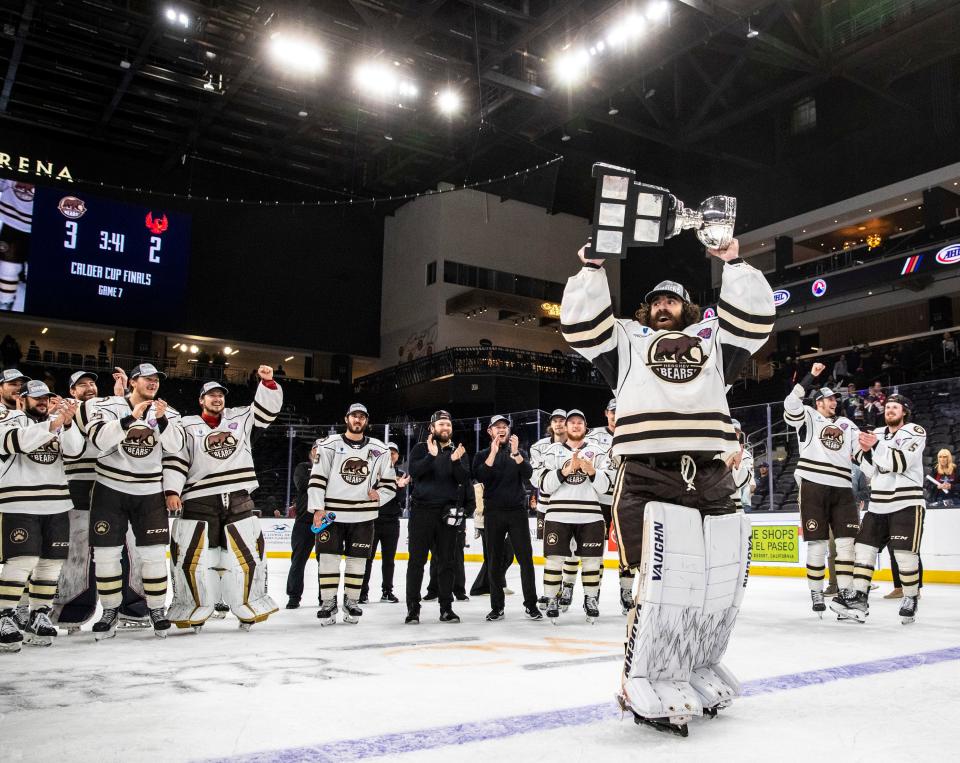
x: 71, y: 242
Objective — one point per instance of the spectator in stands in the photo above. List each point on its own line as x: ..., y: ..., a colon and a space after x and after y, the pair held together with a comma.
x: 10, y: 352
x: 939, y: 487
x: 853, y: 406
x: 279, y: 371
x: 33, y: 352
x: 840, y: 371
x: 873, y: 405
x: 889, y: 362
x: 949, y: 345
x: 302, y: 536
x: 762, y: 473
x: 102, y: 354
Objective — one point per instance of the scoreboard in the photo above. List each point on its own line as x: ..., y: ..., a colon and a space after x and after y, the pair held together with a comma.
x: 104, y: 261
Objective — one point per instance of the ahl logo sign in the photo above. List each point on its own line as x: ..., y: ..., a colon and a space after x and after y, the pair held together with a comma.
x: 819, y: 287
x: 781, y: 297
x: 709, y: 313
x: 949, y: 255
x: 354, y: 471
x: 676, y: 357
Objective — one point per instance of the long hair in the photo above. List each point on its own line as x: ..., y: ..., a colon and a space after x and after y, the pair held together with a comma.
x: 951, y: 466
x: 688, y: 316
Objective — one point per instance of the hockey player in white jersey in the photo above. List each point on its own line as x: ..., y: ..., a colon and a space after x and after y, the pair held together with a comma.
x: 575, y: 474
x: 741, y: 469
x: 669, y: 371
x: 131, y: 434
x: 217, y: 550
x: 11, y: 385
x: 823, y: 474
x: 34, y: 501
x: 892, y: 456
x: 16, y: 220
x: 604, y: 436
x: 351, y: 477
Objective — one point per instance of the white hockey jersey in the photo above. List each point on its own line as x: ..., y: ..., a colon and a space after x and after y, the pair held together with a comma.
x: 826, y: 444
x: 575, y: 498
x: 219, y: 459
x: 670, y: 386
x: 82, y: 468
x: 32, y: 478
x: 537, y: 453
x: 743, y: 478
x: 16, y: 205
x: 604, y: 438
x: 342, y: 474
x: 129, y: 459
x: 895, y: 468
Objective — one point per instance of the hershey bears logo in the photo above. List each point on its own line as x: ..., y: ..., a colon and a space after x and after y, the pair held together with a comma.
x: 832, y: 437
x: 676, y: 357
x: 324, y: 536
x: 139, y: 442
x: 574, y: 478
x: 354, y: 471
x: 220, y: 445
x: 24, y: 191
x: 812, y: 524
x: 4, y: 412
x: 72, y: 208
x: 101, y: 527
x: 19, y: 535
x: 46, y: 454
x: 552, y: 539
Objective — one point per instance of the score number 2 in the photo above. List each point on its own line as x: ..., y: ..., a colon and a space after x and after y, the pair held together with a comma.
x: 155, y: 244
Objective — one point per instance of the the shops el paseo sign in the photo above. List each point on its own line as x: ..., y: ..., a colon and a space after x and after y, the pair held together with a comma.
x: 37, y: 168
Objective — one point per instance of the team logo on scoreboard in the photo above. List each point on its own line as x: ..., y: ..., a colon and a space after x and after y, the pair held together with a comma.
x: 220, y: 445
x: 72, y: 208
x: 819, y: 287
x: 157, y: 225
x: 676, y: 357
x: 354, y: 471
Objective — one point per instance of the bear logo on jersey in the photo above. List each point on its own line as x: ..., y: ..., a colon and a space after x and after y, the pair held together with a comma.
x: 354, y: 471
x: 46, y: 454
x: 676, y: 357
x: 220, y: 445
x: 832, y: 437
x: 24, y: 191
x: 139, y: 442
x: 19, y: 535
x: 101, y: 527
x: 574, y: 478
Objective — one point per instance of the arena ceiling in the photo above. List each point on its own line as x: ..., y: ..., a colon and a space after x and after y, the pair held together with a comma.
x: 707, y: 88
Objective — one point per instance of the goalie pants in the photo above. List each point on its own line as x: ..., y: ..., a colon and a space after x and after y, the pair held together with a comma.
x: 218, y: 511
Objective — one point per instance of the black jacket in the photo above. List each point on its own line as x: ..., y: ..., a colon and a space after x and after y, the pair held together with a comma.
x: 301, y: 478
x: 504, y: 482
x: 438, y: 481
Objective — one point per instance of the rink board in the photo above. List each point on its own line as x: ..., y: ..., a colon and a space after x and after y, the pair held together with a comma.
x: 778, y: 547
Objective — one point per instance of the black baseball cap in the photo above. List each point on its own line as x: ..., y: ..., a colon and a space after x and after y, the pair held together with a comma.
x: 441, y: 414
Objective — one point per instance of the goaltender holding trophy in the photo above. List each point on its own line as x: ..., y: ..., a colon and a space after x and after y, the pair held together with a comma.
x: 628, y: 213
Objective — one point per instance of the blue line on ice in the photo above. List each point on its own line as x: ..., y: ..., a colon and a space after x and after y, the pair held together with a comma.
x: 499, y: 728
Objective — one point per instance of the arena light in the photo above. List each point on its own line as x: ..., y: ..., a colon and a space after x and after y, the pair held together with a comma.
x: 176, y: 16
x: 382, y: 81
x: 228, y: 350
x: 658, y: 10
x: 194, y: 349
x: 288, y: 358
x: 448, y: 102
x: 296, y: 52
x: 44, y: 330
x: 571, y: 68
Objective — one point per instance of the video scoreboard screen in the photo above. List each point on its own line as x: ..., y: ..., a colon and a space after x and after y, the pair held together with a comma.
x: 88, y: 258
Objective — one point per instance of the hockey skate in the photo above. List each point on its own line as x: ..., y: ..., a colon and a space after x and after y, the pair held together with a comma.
x: 674, y: 724
x: 542, y: 603
x: 626, y: 600
x: 22, y: 615
x: 39, y: 631
x: 908, y: 609
x: 219, y: 611
x: 553, y: 610
x: 131, y: 623
x: 566, y: 597
x: 351, y: 611
x: 851, y: 605
x: 246, y: 625
x: 158, y: 617
x: 591, y: 608
x: 10, y: 636
x: 327, y: 614
x: 818, y: 606
x: 106, y: 626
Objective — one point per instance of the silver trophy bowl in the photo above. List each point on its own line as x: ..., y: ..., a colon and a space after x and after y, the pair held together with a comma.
x: 713, y: 220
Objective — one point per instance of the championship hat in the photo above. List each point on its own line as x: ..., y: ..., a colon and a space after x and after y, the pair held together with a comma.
x: 393, y: 446
x: 559, y: 413
x: 824, y: 392
x: 495, y: 419
x: 612, y: 405
x: 210, y: 386
x: 441, y: 414
x: 358, y: 408
x: 147, y: 369
x: 36, y: 388
x: 667, y: 287
x: 12, y: 374
x: 576, y: 412
x: 78, y: 375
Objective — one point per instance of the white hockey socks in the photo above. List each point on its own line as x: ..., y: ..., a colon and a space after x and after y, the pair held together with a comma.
x: 843, y: 562
x: 153, y: 571
x: 106, y: 564
x: 43, y: 583
x: 817, y: 563
x: 13, y: 579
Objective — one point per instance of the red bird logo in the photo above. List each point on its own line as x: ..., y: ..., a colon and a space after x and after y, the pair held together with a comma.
x: 157, y: 226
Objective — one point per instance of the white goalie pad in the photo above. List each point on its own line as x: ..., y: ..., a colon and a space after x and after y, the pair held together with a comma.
x: 74, y: 578
x: 244, y: 567
x: 662, y: 632
x: 196, y: 584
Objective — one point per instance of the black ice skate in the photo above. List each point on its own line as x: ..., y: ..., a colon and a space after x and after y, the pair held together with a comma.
x: 626, y: 600
x: 39, y: 631
x: 851, y: 605
x: 533, y: 613
x: 542, y: 603
x: 591, y: 608
x: 818, y: 606
x: 908, y: 609
x: 106, y: 626
x: 389, y: 598
x: 553, y: 610
x: 132, y: 623
x: 566, y: 597
x: 449, y: 616
x: 10, y: 636
x: 327, y: 614
x: 219, y: 611
x: 351, y: 611
x: 158, y: 617
x: 672, y: 725
x: 22, y: 616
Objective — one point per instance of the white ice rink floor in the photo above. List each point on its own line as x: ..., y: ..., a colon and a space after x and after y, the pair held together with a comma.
x: 514, y: 690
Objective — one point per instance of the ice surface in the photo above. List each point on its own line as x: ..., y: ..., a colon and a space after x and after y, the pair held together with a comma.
x: 290, y: 690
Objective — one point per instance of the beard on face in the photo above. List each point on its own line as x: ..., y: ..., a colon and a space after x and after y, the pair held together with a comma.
x: 442, y: 437
x: 355, y: 428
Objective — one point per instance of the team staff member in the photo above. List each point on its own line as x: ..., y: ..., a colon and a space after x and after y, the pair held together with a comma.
x: 503, y: 470
x: 440, y: 476
x: 301, y: 536
x: 386, y: 534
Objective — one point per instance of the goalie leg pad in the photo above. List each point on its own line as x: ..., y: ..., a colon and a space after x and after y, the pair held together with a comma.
x: 660, y: 631
x: 76, y: 600
x: 245, y: 572
x: 196, y: 584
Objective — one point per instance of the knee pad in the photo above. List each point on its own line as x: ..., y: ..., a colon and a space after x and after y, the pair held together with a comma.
x: 909, y: 564
x: 244, y: 581
x: 196, y: 584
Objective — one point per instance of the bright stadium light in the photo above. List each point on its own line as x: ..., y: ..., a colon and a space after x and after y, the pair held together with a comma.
x: 296, y: 52
x: 176, y: 16
x: 570, y: 68
x: 658, y: 10
x: 448, y: 101
x: 382, y: 81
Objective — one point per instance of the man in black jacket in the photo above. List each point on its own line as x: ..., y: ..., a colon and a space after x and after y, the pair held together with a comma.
x: 440, y: 477
x: 504, y: 470
x: 301, y: 537
x: 386, y: 534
